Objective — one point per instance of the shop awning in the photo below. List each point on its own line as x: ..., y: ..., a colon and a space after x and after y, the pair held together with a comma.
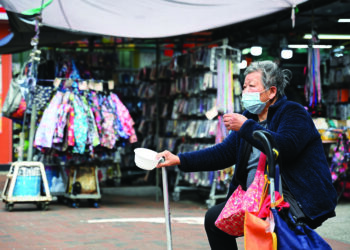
x: 147, y: 18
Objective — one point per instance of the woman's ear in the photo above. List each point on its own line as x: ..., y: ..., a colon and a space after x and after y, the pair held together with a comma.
x: 273, y: 92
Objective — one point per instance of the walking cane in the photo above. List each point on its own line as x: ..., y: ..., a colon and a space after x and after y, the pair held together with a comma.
x: 146, y: 159
x: 166, y: 209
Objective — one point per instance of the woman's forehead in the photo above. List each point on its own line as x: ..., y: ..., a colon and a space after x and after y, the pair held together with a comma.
x: 254, y: 77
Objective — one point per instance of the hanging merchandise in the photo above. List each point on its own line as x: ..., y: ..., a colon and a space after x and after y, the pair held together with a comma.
x: 63, y: 137
x: 79, y: 121
x: 124, y: 116
x: 42, y: 96
x: 80, y: 126
x: 187, y: 119
x: 312, y: 89
x: 340, y: 165
x: 14, y: 100
x: 201, y: 98
x: 222, y: 132
x: 24, y: 91
x: 224, y: 52
x: 228, y: 88
x: 225, y: 89
x: 47, y: 126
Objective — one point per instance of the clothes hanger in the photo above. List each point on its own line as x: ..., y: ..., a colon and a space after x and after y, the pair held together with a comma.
x: 224, y: 51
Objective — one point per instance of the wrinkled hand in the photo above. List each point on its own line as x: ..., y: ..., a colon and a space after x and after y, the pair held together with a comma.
x: 234, y: 121
x: 169, y: 159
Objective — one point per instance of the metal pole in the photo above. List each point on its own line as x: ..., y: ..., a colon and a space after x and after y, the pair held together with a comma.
x: 157, y: 114
x: 35, y: 59
x: 166, y: 209
x: 32, y: 131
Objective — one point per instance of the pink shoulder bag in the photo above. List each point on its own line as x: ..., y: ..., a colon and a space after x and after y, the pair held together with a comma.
x: 231, y: 218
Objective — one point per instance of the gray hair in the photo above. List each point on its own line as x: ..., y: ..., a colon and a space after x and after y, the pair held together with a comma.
x: 272, y: 75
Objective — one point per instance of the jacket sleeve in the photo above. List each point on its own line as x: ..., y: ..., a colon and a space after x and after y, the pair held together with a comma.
x: 219, y: 156
x: 292, y: 129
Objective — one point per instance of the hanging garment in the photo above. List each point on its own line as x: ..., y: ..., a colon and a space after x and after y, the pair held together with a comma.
x: 63, y: 113
x: 70, y: 128
x: 42, y: 96
x: 80, y: 126
x: 60, y: 138
x: 96, y: 110
x: 47, y: 126
x: 121, y: 116
x: 109, y: 137
x: 93, y: 138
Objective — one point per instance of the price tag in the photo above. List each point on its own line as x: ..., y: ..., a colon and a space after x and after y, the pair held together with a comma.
x: 99, y: 86
x: 91, y: 85
x: 56, y: 82
x: 68, y: 83
x: 83, y: 85
x: 212, y: 113
x: 110, y: 84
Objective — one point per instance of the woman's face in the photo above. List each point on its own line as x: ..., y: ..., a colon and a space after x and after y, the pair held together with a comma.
x: 253, y: 83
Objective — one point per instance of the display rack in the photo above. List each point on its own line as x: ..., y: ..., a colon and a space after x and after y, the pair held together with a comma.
x: 26, y: 188
x: 211, y: 186
x: 213, y: 195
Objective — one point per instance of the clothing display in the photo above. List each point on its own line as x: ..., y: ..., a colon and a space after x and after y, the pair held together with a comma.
x: 83, y: 120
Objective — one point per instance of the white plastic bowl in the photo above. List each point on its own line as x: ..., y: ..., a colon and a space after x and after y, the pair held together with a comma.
x: 146, y: 158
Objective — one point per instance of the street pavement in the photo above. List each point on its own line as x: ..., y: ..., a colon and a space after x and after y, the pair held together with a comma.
x: 128, y: 218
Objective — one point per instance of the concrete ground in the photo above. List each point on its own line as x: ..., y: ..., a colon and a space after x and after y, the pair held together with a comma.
x: 338, y: 227
x: 128, y: 218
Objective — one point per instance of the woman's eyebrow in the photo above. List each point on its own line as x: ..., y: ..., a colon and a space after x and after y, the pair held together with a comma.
x: 251, y: 81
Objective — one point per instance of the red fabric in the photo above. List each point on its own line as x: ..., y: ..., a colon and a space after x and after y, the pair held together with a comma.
x: 19, y: 113
x: 265, y: 207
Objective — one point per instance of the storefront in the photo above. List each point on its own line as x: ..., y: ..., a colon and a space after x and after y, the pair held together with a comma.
x: 126, y: 95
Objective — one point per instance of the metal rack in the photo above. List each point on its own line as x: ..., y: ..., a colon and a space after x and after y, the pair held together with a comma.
x: 226, y: 52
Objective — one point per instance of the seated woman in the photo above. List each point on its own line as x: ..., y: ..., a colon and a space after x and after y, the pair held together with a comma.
x: 306, y: 178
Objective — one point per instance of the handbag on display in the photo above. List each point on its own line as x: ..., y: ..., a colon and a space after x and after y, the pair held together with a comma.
x: 14, y: 101
x: 19, y: 112
x: 231, y: 218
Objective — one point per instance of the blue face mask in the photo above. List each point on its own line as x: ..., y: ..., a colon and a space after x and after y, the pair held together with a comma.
x: 251, y: 102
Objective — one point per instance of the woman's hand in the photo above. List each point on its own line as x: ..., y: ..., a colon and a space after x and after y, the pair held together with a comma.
x: 234, y: 121
x: 169, y: 159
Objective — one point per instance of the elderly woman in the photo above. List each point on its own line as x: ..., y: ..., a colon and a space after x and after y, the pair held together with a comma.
x: 306, y: 178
